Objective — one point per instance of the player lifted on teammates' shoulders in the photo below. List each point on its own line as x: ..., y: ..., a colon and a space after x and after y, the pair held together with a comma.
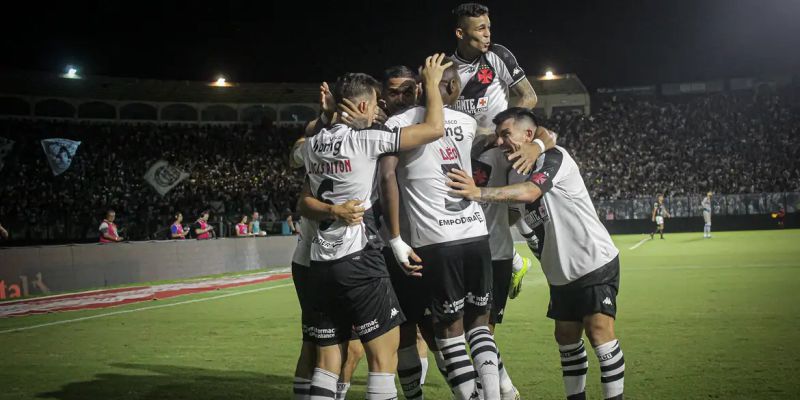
x: 578, y: 258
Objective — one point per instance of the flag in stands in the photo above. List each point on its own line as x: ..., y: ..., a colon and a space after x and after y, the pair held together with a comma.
x: 163, y: 177
x: 5, y: 149
x: 60, y: 153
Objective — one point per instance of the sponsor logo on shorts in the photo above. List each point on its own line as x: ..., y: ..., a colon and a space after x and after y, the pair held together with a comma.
x: 479, y: 301
x: 454, y: 307
x: 321, y: 333
x: 393, y: 313
x: 368, y: 327
x: 477, y: 217
x: 607, y: 301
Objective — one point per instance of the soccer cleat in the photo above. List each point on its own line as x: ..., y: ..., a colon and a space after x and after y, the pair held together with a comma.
x: 516, y: 279
x: 513, y: 394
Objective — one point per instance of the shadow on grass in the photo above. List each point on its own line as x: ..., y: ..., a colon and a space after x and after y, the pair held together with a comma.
x: 151, y: 382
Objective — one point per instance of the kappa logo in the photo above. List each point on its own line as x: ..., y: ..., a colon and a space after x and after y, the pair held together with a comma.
x: 516, y: 70
x: 607, y: 301
x: 393, y: 313
x: 487, y: 362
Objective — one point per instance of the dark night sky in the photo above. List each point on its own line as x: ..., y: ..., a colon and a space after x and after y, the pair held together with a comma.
x: 606, y: 42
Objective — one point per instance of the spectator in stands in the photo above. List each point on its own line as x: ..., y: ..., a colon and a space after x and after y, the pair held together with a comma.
x: 3, y: 233
x: 202, y: 229
x: 241, y: 228
x: 176, y: 230
x: 108, y: 229
x: 255, y: 225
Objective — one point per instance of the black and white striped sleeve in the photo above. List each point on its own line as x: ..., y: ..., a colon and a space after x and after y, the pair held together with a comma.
x: 507, y: 67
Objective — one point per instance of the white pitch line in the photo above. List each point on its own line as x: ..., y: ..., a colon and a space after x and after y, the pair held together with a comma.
x: 639, y: 244
x: 67, y: 321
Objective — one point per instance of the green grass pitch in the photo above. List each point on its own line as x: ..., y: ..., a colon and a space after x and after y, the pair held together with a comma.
x: 698, y: 319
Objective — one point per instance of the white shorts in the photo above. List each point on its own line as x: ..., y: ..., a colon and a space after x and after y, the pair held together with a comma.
x: 707, y: 217
x: 659, y: 220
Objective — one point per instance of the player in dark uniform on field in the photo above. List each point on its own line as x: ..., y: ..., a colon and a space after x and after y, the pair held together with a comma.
x: 659, y: 214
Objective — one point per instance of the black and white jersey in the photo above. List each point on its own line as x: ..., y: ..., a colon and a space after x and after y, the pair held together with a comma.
x: 491, y: 169
x: 433, y: 216
x: 485, y: 82
x: 341, y: 165
x: 661, y: 211
x: 570, y: 240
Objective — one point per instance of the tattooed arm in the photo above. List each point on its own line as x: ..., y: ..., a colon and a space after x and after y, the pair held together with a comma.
x: 464, y: 186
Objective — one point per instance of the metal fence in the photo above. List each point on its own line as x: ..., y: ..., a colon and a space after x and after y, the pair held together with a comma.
x: 690, y: 206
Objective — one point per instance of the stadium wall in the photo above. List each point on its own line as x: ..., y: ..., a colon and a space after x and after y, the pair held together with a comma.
x: 86, y: 266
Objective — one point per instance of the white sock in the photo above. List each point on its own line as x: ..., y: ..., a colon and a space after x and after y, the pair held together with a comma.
x: 341, y: 390
x: 424, y: 363
x: 409, y: 370
x: 516, y: 263
x: 460, y: 372
x: 301, y: 388
x: 506, y: 386
x: 612, y: 368
x: 380, y: 386
x: 574, y: 365
x: 484, y: 355
x: 323, y: 385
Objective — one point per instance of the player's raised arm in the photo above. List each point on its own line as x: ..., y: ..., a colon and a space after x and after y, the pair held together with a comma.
x: 432, y: 129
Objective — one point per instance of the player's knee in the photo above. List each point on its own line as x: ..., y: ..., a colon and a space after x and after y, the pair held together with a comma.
x: 600, y: 330
x: 355, y: 351
x: 567, y: 336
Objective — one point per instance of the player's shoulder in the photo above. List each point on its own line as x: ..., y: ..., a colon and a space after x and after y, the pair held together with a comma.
x: 405, y: 117
x: 451, y: 113
x: 500, y: 50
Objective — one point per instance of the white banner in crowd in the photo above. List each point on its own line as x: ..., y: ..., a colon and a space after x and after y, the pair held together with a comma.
x: 163, y: 177
x: 60, y: 153
x: 5, y: 149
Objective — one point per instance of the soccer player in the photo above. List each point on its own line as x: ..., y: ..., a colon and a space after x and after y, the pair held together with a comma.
x: 348, y: 278
x: 706, y: 205
x: 659, y: 214
x: 489, y: 72
x: 350, y: 213
x: 578, y: 258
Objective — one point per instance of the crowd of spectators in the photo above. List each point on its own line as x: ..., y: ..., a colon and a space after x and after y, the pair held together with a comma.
x: 628, y: 148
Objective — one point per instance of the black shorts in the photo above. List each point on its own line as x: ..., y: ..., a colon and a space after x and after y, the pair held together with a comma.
x: 458, y: 276
x: 300, y: 277
x: 353, y: 292
x: 595, y: 292
x: 411, y: 292
x: 501, y: 282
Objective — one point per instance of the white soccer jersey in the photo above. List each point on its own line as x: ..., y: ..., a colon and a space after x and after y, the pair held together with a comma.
x: 341, y: 165
x: 706, y: 203
x: 302, y: 252
x: 491, y: 170
x: 571, y: 241
x: 485, y: 82
x: 433, y: 216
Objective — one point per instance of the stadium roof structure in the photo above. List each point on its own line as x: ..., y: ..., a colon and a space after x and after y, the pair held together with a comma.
x: 110, y: 88
x: 559, y: 84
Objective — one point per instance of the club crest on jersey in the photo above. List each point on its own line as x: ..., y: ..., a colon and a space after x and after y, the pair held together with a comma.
x: 485, y: 74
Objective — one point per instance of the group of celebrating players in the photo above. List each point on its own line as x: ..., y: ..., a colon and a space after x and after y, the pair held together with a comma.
x: 413, y: 185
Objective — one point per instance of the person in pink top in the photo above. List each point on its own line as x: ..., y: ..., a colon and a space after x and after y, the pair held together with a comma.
x: 108, y: 229
x: 202, y: 229
x: 176, y: 230
x: 241, y: 228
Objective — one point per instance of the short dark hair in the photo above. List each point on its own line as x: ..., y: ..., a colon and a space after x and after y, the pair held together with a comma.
x: 399, y: 71
x: 469, y: 10
x: 354, y: 85
x: 517, y: 113
x: 109, y: 212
